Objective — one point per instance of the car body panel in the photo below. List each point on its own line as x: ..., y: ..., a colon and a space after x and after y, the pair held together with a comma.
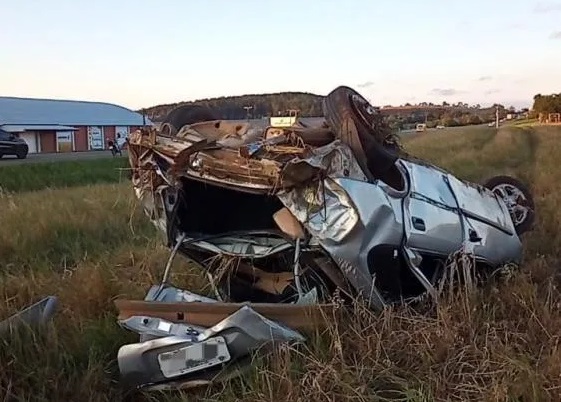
x: 343, y: 212
x: 345, y: 216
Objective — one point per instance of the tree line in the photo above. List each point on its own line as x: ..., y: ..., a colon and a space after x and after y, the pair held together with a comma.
x: 310, y: 105
x: 547, y: 103
x: 252, y: 106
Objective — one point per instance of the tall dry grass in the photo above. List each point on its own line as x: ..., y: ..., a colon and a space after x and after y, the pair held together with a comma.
x: 496, y: 343
x: 86, y: 246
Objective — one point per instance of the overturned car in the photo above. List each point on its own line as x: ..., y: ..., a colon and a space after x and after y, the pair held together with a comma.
x: 282, y: 218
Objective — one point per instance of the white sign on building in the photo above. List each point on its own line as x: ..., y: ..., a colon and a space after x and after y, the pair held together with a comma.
x: 121, y: 134
x: 95, y: 138
x: 64, y: 141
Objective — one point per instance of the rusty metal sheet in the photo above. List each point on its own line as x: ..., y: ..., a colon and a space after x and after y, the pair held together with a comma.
x: 195, y: 152
x: 299, y: 317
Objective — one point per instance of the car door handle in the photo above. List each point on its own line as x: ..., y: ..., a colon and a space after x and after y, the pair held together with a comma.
x: 418, y: 223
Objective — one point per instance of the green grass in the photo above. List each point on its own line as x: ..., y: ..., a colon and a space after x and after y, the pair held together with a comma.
x: 525, y: 122
x: 86, y: 245
x: 37, y: 176
x: 485, y: 152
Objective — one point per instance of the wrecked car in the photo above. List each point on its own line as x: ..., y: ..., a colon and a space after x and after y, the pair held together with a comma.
x: 280, y: 219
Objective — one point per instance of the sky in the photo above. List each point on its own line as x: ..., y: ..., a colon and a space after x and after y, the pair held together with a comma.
x: 139, y: 53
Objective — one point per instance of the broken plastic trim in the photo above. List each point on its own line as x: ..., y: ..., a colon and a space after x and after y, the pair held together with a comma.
x: 158, y: 327
x: 34, y: 315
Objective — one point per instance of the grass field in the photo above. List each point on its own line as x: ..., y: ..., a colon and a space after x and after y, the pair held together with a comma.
x: 29, y: 177
x: 83, y: 240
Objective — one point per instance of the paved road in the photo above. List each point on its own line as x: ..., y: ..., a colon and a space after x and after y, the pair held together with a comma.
x: 38, y: 158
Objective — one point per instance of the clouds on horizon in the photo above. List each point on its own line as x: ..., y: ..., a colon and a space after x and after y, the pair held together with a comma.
x: 447, y: 91
x: 366, y: 84
x: 547, y: 7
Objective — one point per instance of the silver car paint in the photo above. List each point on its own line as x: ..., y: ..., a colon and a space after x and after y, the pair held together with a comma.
x: 349, y: 216
x: 434, y: 214
x: 243, y: 332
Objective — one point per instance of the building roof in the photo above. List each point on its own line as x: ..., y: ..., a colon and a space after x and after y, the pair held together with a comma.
x: 30, y: 111
x: 11, y: 128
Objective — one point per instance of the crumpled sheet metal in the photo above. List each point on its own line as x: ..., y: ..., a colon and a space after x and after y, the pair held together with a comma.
x: 323, y: 206
x: 224, y: 166
x: 335, y: 159
x: 151, y: 201
x: 171, y: 294
x: 148, y: 180
x: 244, y: 246
x: 220, y: 160
x: 255, y: 325
x: 244, y: 332
x: 319, y: 203
x: 199, y: 157
x: 226, y: 133
x: 378, y: 224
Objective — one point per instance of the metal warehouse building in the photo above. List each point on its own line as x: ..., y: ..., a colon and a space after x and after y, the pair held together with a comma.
x: 49, y: 125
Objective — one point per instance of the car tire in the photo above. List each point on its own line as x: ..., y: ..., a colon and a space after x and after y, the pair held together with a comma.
x: 501, y: 186
x: 185, y: 115
x: 358, y: 124
x: 21, y: 154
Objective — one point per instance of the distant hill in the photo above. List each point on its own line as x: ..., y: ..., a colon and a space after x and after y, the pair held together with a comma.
x: 309, y: 105
x: 264, y: 105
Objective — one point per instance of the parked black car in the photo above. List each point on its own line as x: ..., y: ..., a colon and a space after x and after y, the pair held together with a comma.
x: 11, y: 144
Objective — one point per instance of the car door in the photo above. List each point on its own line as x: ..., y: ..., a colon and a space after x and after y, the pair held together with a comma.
x: 432, y: 222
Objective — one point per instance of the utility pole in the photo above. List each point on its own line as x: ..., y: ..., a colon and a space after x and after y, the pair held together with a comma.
x: 496, y: 116
x: 247, y: 109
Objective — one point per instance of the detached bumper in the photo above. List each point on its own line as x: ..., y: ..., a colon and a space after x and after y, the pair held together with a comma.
x: 183, y: 354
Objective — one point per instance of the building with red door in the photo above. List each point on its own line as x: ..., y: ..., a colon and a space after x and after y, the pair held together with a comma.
x: 49, y: 125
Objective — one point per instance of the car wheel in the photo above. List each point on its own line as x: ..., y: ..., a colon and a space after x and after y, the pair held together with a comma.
x: 358, y: 124
x: 518, y: 199
x: 185, y: 115
x: 21, y: 154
